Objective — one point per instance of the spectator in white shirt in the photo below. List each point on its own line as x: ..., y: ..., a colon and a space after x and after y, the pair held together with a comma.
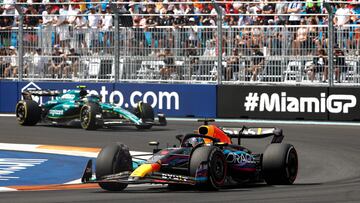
x: 72, y: 13
x: 39, y: 63
x: 62, y: 26
x: 47, y: 29
x: 341, y: 19
x: 11, y: 70
x: 294, y: 9
x: 80, y: 26
x: 95, y: 25
x: 107, y: 27
x: 9, y: 7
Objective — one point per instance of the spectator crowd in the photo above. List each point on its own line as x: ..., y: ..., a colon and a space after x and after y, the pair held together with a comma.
x: 86, y: 28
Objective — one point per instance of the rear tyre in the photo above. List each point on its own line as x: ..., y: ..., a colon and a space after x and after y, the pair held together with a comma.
x: 113, y: 159
x: 216, y: 165
x: 280, y: 164
x: 88, y: 113
x: 28, y: 112
x: 146, y: 113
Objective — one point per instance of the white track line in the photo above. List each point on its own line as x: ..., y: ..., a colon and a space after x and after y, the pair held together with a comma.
x: 7, y: 115
x: 38, y: 149
x: 281, y: 122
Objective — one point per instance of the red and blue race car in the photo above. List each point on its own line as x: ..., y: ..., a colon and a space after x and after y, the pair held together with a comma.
x: 207, y: 159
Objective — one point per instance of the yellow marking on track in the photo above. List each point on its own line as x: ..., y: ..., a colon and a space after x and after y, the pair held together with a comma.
x: 69, y: 148
x: 55, y: 187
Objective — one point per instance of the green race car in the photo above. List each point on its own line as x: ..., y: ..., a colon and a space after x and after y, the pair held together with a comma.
x: 77, y: 105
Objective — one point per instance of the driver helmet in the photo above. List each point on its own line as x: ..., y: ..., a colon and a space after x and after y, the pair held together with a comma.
x: 83, y: 92
x: 194, y: 141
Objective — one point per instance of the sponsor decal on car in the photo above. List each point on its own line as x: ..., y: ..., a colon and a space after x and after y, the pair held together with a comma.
x: 174, y: 177
x: 55, y: 112
x: 240, y: 157
x: 68, y: 96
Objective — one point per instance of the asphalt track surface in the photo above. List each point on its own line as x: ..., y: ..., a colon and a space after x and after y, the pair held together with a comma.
x: 329, y: 158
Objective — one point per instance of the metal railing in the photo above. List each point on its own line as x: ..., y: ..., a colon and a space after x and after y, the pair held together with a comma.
x: 184, y: 54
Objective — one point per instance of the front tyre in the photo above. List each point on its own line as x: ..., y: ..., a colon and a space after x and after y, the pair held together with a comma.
x: 146, y: 113
x: 88, y: 114
x: 215, y: 163
x: 28, y: 112
x: 113, y: 159
x: 280, y: 164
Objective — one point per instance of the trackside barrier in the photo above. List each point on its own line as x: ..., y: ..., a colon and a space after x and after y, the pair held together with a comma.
x: 222, y: 101
x: 288, y: 102
x: 171, y: 99
x: 8, y: 96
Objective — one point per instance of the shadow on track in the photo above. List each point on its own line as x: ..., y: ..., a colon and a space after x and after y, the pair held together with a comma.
x: 107, y: 129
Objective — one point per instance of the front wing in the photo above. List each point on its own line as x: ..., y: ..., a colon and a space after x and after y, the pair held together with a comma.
x: 154, y: 178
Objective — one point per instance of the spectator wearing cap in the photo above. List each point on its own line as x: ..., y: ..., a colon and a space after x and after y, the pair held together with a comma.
x: 192, y: 33
x: 11, y: 70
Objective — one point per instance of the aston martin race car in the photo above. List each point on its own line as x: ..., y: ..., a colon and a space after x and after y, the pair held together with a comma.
x: 77, y: 106
x: 207, y: 160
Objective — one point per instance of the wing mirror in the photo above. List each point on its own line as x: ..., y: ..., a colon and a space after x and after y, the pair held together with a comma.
x: 180, y: 138
x: 156, y: 145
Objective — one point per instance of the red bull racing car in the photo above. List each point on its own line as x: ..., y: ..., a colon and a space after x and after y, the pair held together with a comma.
x: 207, y: 159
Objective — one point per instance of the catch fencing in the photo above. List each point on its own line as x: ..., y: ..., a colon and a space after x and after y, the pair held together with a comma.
x: 285, y: 54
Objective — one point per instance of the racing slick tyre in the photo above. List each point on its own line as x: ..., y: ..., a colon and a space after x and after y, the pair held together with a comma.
x: 280, y: 164
x: 28, y: 112
x: 113, y: 159
x: 88, y: 113
x: 216, y: 166
x: 146, y: 113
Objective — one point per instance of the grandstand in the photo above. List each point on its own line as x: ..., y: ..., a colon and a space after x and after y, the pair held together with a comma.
x: 262, y: 42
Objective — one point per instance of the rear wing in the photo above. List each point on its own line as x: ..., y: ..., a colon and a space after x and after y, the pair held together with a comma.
x: 33, y: 92
x: 255, y: 133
